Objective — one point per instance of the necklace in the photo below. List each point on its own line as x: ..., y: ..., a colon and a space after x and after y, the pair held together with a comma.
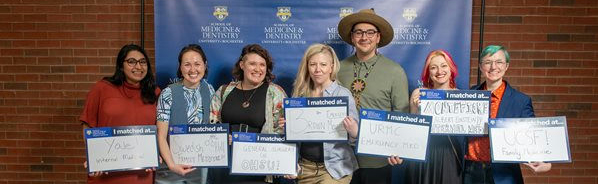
x: 246, y: 102
x: 358, y: 84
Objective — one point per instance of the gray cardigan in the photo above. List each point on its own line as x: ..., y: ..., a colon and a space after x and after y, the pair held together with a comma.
x: 339, y: 158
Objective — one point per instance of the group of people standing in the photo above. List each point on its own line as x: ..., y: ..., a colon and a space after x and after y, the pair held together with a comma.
x: 253, y: 103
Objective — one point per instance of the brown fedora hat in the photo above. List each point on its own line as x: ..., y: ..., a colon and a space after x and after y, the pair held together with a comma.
x: 367, y: 16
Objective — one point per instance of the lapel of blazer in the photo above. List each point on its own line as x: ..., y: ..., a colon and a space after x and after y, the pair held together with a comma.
x: 505, y: 103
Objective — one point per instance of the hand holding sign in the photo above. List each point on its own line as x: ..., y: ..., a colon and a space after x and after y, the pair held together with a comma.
x: 351, y: 126
x: 281, y: 123
x: 93, y: 174
x: 181, y: 169
x: 394, y: 160
x: 294, y: 176
x: 539, y: 167
x: 414, y: 101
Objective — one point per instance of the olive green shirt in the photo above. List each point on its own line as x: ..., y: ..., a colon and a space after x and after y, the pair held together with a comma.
x: 386, y: 89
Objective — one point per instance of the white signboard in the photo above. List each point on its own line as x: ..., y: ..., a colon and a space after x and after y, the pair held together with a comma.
x: 529, y: 139
x: 201, y: 145
x: 456, y: 112
x: 383, y: 133
x: 263, y: 154
x: 316, y: 119
x: 121, y: 148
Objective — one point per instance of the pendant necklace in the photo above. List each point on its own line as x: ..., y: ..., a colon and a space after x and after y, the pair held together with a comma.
x: 359, y: 84
x: 246, y: 103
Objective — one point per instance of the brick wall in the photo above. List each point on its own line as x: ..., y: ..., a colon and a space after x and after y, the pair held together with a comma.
x: 52, y: 51
x: 554, y: 59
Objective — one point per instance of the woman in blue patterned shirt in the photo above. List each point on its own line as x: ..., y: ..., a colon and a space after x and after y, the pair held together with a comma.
x: 184, y: 102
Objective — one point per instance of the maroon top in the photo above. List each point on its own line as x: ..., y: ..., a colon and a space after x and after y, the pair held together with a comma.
x: 108, y: 105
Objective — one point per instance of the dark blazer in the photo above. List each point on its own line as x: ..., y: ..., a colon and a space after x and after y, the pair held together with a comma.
x: 514, y: 104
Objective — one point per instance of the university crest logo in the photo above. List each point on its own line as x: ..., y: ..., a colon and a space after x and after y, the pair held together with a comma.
x: 345, y: 11
x: 409, y: 14
x: 88, y: 132
x: 220, y: 12
x: 284, y: 13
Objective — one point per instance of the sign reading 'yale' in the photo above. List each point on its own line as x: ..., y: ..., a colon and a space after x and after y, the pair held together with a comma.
x: 121, y: 148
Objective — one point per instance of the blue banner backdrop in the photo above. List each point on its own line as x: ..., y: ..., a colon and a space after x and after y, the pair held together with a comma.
x: 287, y: 27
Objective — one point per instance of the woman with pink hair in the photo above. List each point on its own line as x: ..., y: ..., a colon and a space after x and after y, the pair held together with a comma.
x: 444, y: 163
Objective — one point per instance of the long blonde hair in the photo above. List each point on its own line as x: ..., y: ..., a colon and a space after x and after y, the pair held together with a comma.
x: 303, y: 84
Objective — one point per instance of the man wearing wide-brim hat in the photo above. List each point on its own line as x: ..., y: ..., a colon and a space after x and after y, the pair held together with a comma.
x: 375, y: 81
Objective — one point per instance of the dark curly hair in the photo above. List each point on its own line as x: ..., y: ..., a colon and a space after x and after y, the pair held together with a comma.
x: 148, y: 84
x: 259, y: 50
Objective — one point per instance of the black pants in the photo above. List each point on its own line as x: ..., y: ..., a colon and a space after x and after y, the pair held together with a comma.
x: 477, y: 173
x: 381, y: 175
x: 222, y: 176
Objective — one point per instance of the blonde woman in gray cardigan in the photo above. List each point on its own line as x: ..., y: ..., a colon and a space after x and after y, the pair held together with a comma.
x: 324, y: 162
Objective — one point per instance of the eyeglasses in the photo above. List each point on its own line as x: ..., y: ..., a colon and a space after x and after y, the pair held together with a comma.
x: 132, y: 62
x: 488, y: 63
x: 359, y: 33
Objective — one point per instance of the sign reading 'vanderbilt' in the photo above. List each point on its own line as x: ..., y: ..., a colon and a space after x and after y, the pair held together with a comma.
x: 383, y: 133
x: 456, y: 112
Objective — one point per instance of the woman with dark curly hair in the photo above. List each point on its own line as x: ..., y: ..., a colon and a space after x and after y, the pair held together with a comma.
x: 251, y: 103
